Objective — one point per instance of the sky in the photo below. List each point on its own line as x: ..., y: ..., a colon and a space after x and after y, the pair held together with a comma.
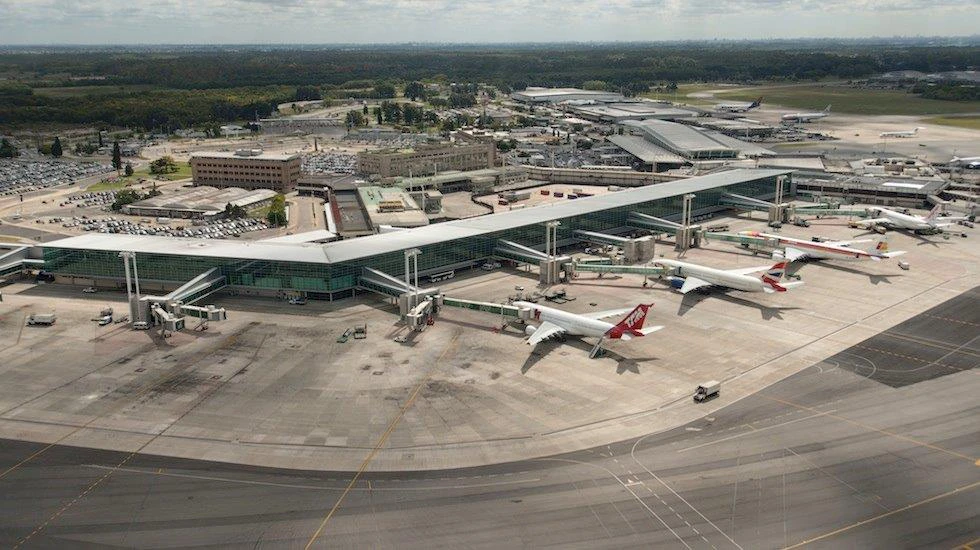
x: 99, y: 22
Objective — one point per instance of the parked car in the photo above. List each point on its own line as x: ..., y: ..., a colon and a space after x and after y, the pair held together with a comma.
x: 90, y: 290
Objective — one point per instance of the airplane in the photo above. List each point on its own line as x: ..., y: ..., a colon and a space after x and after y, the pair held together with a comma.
x: 802, y: 249
x: 556, y: 323
x: 970, y: 163
x: 687, y: 277
x: 902, y: 134
x: 806, y: 117
x: 889, y: 219
x: 738, y: 107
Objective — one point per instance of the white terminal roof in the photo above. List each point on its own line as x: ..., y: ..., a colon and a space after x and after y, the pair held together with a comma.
x: 646, y: 151
x: 372, y: 245
x: 678, y: 136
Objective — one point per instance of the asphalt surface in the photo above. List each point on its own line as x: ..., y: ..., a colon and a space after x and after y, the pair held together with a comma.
x: 837, y: 456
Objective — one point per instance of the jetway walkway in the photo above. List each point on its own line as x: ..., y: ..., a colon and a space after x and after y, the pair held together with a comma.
x: 382, y: 283
x: 647, y: 221
x: 602, y: 238
x: 15, y: 260
x: 510, y: 250
x: 199, y: 287
x: 647, y: 270
x: 503, y: 310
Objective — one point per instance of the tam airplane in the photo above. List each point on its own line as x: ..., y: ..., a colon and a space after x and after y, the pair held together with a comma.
x: 902, y: 134
x: 738, y: 107
x: 687, y: 277
x: 802, y: 249
x: 806, y: 117
x: 555, y: 323
x: 890, y: 219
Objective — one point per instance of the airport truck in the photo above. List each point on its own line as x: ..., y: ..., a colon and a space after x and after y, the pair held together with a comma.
x: 707, y: 391
x: 46, y: 319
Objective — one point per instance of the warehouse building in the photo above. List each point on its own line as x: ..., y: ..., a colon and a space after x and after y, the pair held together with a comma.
x: 200, y: 203
x: 426, y: 160
x: 634, y: 110
x: 558, y: 95
x: 248, y: 169
x: 681, y: 140
x: 338, y: 269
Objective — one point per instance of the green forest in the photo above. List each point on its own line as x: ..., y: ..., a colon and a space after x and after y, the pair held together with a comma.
x: 168, y: 89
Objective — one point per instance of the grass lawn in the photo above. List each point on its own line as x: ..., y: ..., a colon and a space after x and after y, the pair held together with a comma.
x: 851, y: 100
x: 969, y: 122
x: 183, y: 172
x: 682, y: 91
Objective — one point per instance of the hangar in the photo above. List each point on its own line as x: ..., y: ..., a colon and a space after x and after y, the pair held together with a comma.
x: 337, y: 269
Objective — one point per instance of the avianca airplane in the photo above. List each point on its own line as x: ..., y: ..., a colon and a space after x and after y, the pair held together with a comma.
x: 802, y: 249
x: 902, y: 134
x: 806, y: 117
x: 687, y: 277
x: 896, y: 220
x: 738, y: 107
x: 555, y: 323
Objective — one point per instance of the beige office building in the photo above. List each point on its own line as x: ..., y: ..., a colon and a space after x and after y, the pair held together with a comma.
x: 248, y: 169
x: 426, y: 160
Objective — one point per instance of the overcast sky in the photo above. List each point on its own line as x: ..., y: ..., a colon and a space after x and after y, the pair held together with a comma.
x: 383, y: 21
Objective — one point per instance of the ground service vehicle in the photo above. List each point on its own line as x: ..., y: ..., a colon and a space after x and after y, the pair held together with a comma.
x: 42, y: 319
x: 707, y: 391
x: 360, y: 332
x: 342, y: 339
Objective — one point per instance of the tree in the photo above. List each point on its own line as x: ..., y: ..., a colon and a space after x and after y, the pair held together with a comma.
x: 233, y: 212
x: 415, y: 90
x: 307, y: 93
x: 163, y: 165
x: 126, y: 196
x: 56, y: 150
x: 100, y: 139
x: 116, y: 156
x: 364, y: 111
x: 599, y: 85
x: 384, y: 90
x: 7, y: 149
x: 129, y: 169
x: 277, y: 210
x: 355, y: 118
x: 377, y: 113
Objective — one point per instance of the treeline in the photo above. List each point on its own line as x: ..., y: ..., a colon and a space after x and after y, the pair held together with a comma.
x: 948, y: 91
x: 506, y: 67
x: 165, y: 110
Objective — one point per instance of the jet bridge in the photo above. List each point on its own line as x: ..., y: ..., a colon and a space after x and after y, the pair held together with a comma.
x: 510, y: 250
x: 634, y: 250
x: 690, y: 234
x: 408, y: 296
x: 647, y: 270
x: 199, y: 287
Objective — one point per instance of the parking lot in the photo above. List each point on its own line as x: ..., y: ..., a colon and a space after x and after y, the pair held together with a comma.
x: 23, y: 176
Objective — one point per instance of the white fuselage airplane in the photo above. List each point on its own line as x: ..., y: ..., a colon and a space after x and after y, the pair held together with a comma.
x: 687, y: 277
x: 802, y: 249
x: 902, y: 134
x: 806, y: 117
x: 738, y: 107
x: 555, y: 323
x: 896, y: 220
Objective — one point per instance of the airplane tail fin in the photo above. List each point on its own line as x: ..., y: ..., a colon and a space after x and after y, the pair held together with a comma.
x: 632, y: 324
x: 880, y: 251
x: 756, y: 103
x: 827, y: 109
x: 934, y: 213
x: 774, y: 276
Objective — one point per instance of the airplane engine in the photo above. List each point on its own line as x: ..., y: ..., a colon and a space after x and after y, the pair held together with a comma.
x: 529, y: 330
x: 676, y: 282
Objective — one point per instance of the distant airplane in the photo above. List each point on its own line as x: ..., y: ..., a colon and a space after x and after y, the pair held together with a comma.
x: 902, y: 134
x: 806, y: 117
x: 738, y: 107
x: 802, y: 249
x: 556, y: 323
x: 687, y: 277
x: 970, y: 163
x: 890, y: 219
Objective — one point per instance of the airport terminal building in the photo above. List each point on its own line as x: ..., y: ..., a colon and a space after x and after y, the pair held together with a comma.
x: 339, y: 269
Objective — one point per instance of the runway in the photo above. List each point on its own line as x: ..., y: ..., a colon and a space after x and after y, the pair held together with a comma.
x: 875, y: 447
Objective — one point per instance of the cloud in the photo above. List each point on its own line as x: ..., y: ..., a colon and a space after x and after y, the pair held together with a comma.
x: 333, y: 21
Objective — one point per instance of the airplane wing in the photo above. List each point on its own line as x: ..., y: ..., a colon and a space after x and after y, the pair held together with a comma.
x: 791, y: 254
x: 850, y: 242
x: 544, y: 331
x: 751, y: 270
x: 693, y: 283
x: 608, y: 313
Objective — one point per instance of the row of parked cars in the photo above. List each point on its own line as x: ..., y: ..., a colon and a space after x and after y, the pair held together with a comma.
x: 21, y: 176
x: 215, y: 230
x: 93, y: 198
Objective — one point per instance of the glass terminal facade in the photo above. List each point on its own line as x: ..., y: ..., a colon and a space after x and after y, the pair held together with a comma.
x: 333, y: 280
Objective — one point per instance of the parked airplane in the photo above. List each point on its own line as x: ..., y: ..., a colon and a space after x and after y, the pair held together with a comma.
x: 806, y: 117
x: 687, y: 277
x: 802, y: 249
x: 556, y: 323
x: 902, y: 134
x: 889, y: 219
x: 738, y: 107
x: 970, y: 163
